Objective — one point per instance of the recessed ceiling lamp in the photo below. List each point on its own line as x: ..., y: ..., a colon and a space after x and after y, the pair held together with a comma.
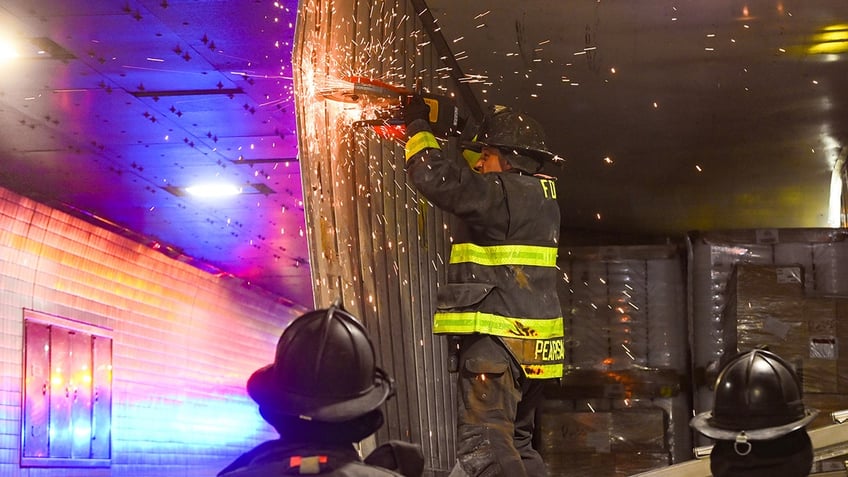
x: 8, y: 49
x: 213, y: 190
x: 218, y: 190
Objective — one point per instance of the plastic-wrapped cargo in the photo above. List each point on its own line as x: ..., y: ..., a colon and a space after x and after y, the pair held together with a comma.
x: 767, y: 307
x: 625, y: 308
x: 623, y: 404
x: 594, y: 436
x: 820, y: 256
x: 764, y: 307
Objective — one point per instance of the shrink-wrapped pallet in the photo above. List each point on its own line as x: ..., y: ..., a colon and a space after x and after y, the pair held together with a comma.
x: 626, y: 345
x: 624, y: 308
x: 712, y: 256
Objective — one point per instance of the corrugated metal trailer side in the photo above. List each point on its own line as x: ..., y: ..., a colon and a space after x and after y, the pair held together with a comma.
x: 374, y: 241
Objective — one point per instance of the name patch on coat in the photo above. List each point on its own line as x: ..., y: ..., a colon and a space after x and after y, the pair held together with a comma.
x: 550, y: 350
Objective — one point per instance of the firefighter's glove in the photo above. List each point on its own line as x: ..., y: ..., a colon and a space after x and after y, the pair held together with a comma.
x: 415, y: 108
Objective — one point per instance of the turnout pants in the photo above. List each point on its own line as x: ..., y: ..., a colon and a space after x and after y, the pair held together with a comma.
x: 496, y: 413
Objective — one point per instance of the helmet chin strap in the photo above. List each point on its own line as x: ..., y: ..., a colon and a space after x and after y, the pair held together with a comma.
x: 380, y: 373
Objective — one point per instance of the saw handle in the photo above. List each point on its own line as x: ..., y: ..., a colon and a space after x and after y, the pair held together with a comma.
x: 415, y: 108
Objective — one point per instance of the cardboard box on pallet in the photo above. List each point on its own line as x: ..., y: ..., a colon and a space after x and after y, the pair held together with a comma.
x: 712, y: 256
x: 615, y: 442
x: 638, y: 430
x: 767, y: 307
x: 763, y: 281
x: 763, y: 305
x: 575, y: 444
x: 820, y: 367
x: 571, y: 431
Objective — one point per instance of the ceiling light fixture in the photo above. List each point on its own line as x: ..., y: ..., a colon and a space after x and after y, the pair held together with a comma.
x: 213, y: 190
x: 8, y: 50
x: 218, y: 190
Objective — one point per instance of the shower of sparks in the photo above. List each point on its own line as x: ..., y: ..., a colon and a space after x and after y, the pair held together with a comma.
x: 329, y: 86
x: 386, y: 58
x: 469, y: 78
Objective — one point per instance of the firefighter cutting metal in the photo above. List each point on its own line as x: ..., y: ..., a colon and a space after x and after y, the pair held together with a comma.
x: 500, y: 301
x: 500, y: 307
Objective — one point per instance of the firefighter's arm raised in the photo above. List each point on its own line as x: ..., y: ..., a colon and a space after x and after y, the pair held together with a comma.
x: 444, y: 177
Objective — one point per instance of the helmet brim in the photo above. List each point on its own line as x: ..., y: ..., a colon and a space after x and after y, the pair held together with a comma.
x: 263, y: 389
x: 703, y: 423
x: 537, y: 154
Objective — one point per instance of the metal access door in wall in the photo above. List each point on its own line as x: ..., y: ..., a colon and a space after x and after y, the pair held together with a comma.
x: 66, y: 415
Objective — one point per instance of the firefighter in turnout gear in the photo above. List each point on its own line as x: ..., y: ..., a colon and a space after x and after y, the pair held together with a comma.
x: 758, y: 419
x: 501, y: 300
x: 323, y: 394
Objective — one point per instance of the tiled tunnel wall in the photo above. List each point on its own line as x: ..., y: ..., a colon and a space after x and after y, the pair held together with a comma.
x: 184, y: 342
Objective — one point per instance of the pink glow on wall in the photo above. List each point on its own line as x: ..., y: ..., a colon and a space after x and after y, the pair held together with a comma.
x: 183, y: 342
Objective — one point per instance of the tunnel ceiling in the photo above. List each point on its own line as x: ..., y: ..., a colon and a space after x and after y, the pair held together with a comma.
x: 672, y: 116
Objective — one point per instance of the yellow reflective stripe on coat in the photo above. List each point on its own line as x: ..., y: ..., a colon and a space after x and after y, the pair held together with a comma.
x: 504, y: 255
x: 542, y: 371
x: 464, y: 322
x: 419, y: 142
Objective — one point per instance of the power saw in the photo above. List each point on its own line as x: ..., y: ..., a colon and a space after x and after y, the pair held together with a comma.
x: 381, y: 104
